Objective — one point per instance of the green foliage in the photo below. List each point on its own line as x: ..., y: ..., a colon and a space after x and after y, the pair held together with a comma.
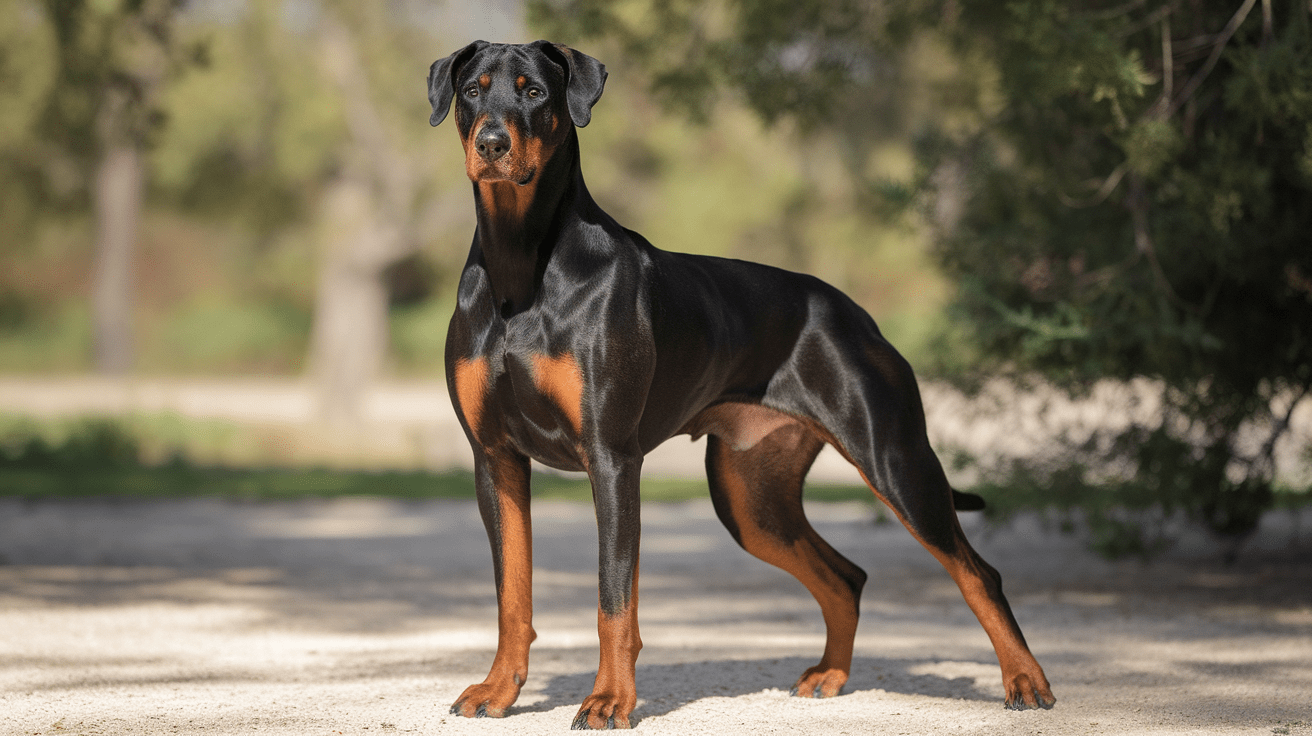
x: 1150, y: 145
x: 242, y: 129
x: 27, y: 69
x: 211, y: 335
x: 40, y: 337
x: 418, y: 335
x: 104, y: 457
x: 254, y: 131
x: 1120, y: 223
x: 90, y: 71
x: 96, y: 443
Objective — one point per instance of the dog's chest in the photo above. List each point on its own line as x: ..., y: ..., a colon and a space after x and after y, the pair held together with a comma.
x: 539, y: 395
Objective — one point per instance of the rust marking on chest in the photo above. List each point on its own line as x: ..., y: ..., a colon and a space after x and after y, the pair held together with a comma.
x: 561, y: 380
x: 507, y: 200
x: 471, y: 388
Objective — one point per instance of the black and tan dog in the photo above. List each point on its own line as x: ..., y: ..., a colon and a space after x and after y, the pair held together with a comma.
x: 577, y: 344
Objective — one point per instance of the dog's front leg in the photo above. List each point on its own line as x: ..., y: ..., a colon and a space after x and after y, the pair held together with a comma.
x: 615, y: 479
x: 502, y: 481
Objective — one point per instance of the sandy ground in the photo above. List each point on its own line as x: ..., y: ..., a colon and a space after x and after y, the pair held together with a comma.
x: 363, y: 616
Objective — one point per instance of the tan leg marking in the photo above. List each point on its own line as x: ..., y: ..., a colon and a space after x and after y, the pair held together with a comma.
x: 614, y: 693
x: 1022, y: 675
x: 515, y: 631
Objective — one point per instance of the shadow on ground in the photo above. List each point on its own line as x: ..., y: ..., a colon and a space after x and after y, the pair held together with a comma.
x: 665, y: 687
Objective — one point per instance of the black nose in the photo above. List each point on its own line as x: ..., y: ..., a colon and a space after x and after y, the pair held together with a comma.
x: 492, y: 143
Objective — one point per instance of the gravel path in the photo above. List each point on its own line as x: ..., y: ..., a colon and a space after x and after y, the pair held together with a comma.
x: 363, y: 616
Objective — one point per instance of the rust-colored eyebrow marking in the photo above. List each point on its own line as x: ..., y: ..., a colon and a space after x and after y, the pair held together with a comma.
x: 471, y: 387
x: 561, y: 380
x: 485, y: 81
x: 520, y: 82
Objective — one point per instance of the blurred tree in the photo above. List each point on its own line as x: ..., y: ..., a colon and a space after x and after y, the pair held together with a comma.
x: 28, y: 64
x: 1119, y: 188
x: 303, y: 122
x: 112, y: 57
x: 368, y: 225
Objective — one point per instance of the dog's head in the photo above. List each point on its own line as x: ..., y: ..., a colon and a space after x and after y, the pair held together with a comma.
x: 514, y: 103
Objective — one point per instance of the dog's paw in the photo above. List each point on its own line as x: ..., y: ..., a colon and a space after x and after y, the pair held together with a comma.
x: 1024, y: 693
x: 820, y: 682
x: 484, y: 701
x: 602, y: 711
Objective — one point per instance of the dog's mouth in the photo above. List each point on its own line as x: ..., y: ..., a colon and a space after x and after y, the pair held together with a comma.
x: 491, y: 173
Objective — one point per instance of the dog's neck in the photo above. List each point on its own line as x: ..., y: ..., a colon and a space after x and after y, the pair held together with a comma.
x: 517, y: 225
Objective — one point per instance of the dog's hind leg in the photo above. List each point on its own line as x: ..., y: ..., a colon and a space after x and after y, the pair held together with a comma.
x: 879, y: 425
x: 914, y: 488
x: 757, y: 492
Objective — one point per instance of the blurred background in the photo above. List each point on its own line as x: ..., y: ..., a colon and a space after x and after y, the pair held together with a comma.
x: 229, y: 240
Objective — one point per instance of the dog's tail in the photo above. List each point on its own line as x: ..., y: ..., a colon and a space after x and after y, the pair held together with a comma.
x: 967, y: 501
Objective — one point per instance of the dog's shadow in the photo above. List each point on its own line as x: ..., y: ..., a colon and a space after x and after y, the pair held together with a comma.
x: 663, y: 688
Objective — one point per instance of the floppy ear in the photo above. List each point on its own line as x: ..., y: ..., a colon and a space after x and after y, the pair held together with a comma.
x: 440, y: 87
x: 587, y: 77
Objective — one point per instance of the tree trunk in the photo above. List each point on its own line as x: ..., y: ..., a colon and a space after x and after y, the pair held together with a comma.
x: 366, y: 226
x: 118, y: 194
x: 350, y: 334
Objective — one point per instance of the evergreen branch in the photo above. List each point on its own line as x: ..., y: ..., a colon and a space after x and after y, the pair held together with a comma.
x: 1265, y: 457
x: 1108, y: 186
x: 1027, y: 321
x: 1143, y: 243
x: 1107, y: 274
x: 1147, y: 21
x: 1194, y: 83
x: 1168, y: 62
x: 1117, y: 11
x: 1195, y: 44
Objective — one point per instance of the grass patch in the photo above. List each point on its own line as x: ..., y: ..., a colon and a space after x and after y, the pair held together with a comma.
x: 180, y: 480
x: 185, y: 481
x: 105, y: 458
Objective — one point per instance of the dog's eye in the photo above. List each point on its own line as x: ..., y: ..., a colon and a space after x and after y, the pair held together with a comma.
x: 472, y: 91
x: 534, y: 92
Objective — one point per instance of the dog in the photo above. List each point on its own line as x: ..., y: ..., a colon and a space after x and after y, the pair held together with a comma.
x: 578, y: 344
